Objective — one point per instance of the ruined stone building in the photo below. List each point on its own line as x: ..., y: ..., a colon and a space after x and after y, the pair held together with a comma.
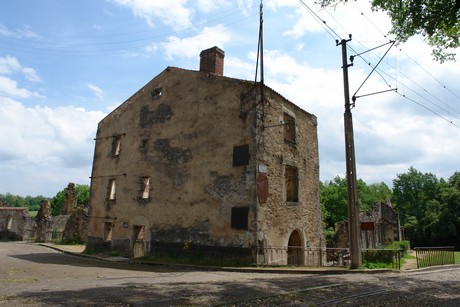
x: 379, y: 227
x: 198, y: 161
x: 12, y: 222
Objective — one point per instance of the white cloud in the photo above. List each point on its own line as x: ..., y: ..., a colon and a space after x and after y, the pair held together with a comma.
x: 172, y: 13
x: 208, y: 6
x: 44, y: 147
x: 10, y: 87
x: 31, y: 75
x: 97, y: 91
x: 189, y: 47
x: 26, y: 32
x: 10, y: 65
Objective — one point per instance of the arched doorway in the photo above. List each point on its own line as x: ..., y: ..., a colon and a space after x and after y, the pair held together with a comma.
x: 295, y: 250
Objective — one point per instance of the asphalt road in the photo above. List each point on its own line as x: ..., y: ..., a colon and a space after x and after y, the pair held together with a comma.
x: 33, y: 275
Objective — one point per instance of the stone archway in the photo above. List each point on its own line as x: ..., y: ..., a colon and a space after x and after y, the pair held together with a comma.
x: 295, y: 249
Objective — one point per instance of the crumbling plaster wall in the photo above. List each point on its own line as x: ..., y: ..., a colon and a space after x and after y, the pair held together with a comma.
x: 190, y: 130
x: 180, y: 130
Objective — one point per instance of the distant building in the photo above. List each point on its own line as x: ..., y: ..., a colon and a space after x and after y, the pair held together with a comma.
x: 198, y: 161
x: 379, y: 227
x: 12, y: 223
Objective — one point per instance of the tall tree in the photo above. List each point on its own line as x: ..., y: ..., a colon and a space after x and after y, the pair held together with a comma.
x: 334, y: 198
x: 82, y: 196
x: 436, y: 20
x: 411, y: 193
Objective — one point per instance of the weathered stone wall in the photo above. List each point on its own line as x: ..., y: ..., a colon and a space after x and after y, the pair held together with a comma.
x: 76, y: 226
x: 43, y: 220
x: 385, y: 228
x: 180, y: 131
x: 12, y: 223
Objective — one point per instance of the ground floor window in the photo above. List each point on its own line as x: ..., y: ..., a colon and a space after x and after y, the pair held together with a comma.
x: 240, y: 217
x: 108, y: 228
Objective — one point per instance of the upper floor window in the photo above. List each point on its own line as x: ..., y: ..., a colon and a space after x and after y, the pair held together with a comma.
x: 241, y: 155
x: 145, y: 187
x: 289, y: 127
x: 111, y: 191
x: 116, y: 145
x: 291, y: 177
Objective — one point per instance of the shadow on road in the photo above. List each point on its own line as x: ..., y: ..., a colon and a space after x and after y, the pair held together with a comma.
x: 74, y: 260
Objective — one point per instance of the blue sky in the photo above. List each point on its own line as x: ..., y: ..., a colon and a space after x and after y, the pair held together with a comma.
x: 64, y: 65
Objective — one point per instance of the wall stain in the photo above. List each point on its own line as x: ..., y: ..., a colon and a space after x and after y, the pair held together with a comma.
x: 172, y: 154
x: 148, y: 118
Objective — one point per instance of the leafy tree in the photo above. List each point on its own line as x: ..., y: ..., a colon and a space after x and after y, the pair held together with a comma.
x: 437, y: 21
x: 368, y: 195
x: 58, y: 201
x: 30, y: 202
x: 334, y: 198
x: 411, y: 193
x: 429, y: 208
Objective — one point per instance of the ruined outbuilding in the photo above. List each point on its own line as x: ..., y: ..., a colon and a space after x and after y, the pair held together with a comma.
x: 379, y: 227
x: 12, y: 222
x: 196, y: 161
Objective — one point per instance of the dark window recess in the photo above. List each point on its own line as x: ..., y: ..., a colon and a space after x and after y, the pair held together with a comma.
x: 157, y: 92
x: 241, y: 155
x: 289, y: 128
x: 292, y: 183
x: 144, y: 143
x: 240, y: 217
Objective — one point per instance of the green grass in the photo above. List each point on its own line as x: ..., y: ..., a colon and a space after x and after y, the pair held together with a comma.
x: 33, y: 213
x: 457, y: 257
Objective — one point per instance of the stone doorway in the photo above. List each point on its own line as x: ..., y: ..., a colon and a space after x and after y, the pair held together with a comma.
x: 295, y: 251
x: 139, y: 241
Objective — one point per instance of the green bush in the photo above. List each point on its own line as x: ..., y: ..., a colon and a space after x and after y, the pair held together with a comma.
x: 401, y: 245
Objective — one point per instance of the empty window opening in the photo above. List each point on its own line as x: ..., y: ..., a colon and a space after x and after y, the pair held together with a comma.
x: 292, y: 183
x: 145, y: 187
x: 241, y: 155
x: 112, y: 189
x: 9, y: 223
x: 144, y: 143
x: 108, y: 228
x: 116, y: 145
x: 289, y: 128
x: 157, y: 92
x: 240, y: 217
x: 139, y: 233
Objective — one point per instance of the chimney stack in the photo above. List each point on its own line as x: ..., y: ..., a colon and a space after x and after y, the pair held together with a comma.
x: 212, y: 61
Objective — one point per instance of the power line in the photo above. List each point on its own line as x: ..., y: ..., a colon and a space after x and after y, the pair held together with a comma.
x: 374, y: 67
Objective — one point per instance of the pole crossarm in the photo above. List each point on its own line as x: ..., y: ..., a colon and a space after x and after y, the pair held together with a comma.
x: 375, y: 67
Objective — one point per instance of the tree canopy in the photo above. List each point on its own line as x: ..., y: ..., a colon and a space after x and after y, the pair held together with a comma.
x: 57, y: 202
x: 436, y: 20
x: 428, y: 207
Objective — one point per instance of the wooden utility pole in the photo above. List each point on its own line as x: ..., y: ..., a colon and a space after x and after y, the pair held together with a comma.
x: 354, y: 229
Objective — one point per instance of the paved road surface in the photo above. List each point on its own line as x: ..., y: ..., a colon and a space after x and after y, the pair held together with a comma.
x: 33, y: 275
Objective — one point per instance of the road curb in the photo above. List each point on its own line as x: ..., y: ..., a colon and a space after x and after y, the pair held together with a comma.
x: 226, y: 269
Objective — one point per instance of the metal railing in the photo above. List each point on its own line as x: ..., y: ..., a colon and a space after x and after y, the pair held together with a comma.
x: 431, y: 256
x: 335, y: 257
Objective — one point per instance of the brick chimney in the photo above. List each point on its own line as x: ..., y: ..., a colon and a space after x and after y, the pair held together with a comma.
x: 212, y: 61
